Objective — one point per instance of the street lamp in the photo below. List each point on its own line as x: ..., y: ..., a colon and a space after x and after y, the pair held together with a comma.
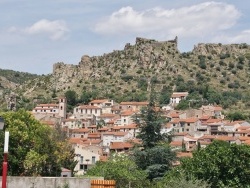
x: 5, y: 161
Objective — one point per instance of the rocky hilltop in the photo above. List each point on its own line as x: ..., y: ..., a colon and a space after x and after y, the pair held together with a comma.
x: 145, y: 55
x: 133, y: 69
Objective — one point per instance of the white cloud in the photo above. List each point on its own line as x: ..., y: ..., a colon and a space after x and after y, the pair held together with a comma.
x: 241, y: 37
x: 193, y: 21
x: 54, y: 29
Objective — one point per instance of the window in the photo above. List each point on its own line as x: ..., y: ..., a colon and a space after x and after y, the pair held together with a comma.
x: 174, y: 125
x: 188, y: 124
x: 81, y: 159
x: 93, y: 159
x: 95, y: 111
x: 85, y: 167
x: 81, y: 166
x: 187, y: 129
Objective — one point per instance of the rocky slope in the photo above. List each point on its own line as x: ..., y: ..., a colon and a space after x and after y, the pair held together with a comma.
x: 133, y: 69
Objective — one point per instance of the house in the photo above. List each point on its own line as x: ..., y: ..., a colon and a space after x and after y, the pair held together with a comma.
x: 214, y: 111
x: 105, y: 118
x: 186, y: 125
x: 176, y: 97
x: 135, y: 106
x: 85, y: 157
x: 190, y: 143
x: 127, y: 117
x: 179, y: 136
x: 65, y: 172
x: 56, y: 110
x: 176, y: 145
x: 87, y: 110
x: 72, y: 123
x: 109, y: 137
x: 120, y: 146
x: 215, y: 128
x: 80, y: 133
x: 104, y: 104
x: 166, y: 128
x: 131, y: 128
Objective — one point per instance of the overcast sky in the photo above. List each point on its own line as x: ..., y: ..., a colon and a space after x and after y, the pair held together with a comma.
x: 36, y: 34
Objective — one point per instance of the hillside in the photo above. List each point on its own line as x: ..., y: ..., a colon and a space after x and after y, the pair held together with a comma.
x: 127, y: 74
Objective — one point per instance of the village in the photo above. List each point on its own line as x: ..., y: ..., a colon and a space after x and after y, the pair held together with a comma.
x: 103, y: 126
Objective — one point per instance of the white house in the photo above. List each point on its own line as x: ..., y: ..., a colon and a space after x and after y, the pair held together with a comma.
x: 177, y: 97
x: 51, y: 110
x: 109, y: 137
x: 85, y: 157
x: 127, y: 117
x: 87, y: 110
x: 104, y: 104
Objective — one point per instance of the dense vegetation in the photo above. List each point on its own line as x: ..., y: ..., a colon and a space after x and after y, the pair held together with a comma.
x: 35, y: 149
x: 16, y: 76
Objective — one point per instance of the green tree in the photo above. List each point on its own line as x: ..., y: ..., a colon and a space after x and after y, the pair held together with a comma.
x: 177, y: 179
x: 87, y: 96
x: 183, y: 105
x: 121, y: 169
x: 156, y: 161
x: 150, y: 123
x: 221, y: 164
x: 33, y: 147
x: 72, y: 97
x: 233, y: 116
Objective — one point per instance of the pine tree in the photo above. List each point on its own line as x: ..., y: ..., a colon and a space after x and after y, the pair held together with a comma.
x: 150, y: 123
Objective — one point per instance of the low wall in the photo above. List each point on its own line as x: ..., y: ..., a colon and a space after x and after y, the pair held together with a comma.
x: 47, y: 182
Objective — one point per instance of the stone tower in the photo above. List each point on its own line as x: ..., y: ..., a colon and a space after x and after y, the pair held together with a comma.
x: 62, y: 107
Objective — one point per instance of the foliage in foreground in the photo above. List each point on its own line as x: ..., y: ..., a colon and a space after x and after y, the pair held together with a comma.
x: 177, y: 179
x: 156, y: 161
x: 34, y: 148
x: 121, y: 169
x: 221, y: 164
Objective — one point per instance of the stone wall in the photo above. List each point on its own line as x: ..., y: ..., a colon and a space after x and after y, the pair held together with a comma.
x: 47, y: 182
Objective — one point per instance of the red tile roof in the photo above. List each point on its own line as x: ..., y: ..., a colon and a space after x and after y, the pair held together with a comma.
x: 176, y: 143
x: 179, y: 94
x: 189, y: 120
x: 135, y: 103
x: 127, y: 113
x: 90, y: 142
x: 120, y: 145
x: 214, y: 120
x: 80, y: 130
x: 107, y: 115
x: 225, y: 138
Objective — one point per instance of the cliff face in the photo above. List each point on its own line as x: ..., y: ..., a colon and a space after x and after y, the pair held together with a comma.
x: 145, y: 54
x: 218, y: 49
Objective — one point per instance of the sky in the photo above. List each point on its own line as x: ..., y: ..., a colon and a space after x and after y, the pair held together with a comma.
x: 34, y: 35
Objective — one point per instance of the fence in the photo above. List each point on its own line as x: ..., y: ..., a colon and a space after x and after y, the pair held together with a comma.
x: 102, y: 184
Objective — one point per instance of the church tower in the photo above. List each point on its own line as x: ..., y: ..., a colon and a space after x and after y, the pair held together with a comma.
x: 62, y: 107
